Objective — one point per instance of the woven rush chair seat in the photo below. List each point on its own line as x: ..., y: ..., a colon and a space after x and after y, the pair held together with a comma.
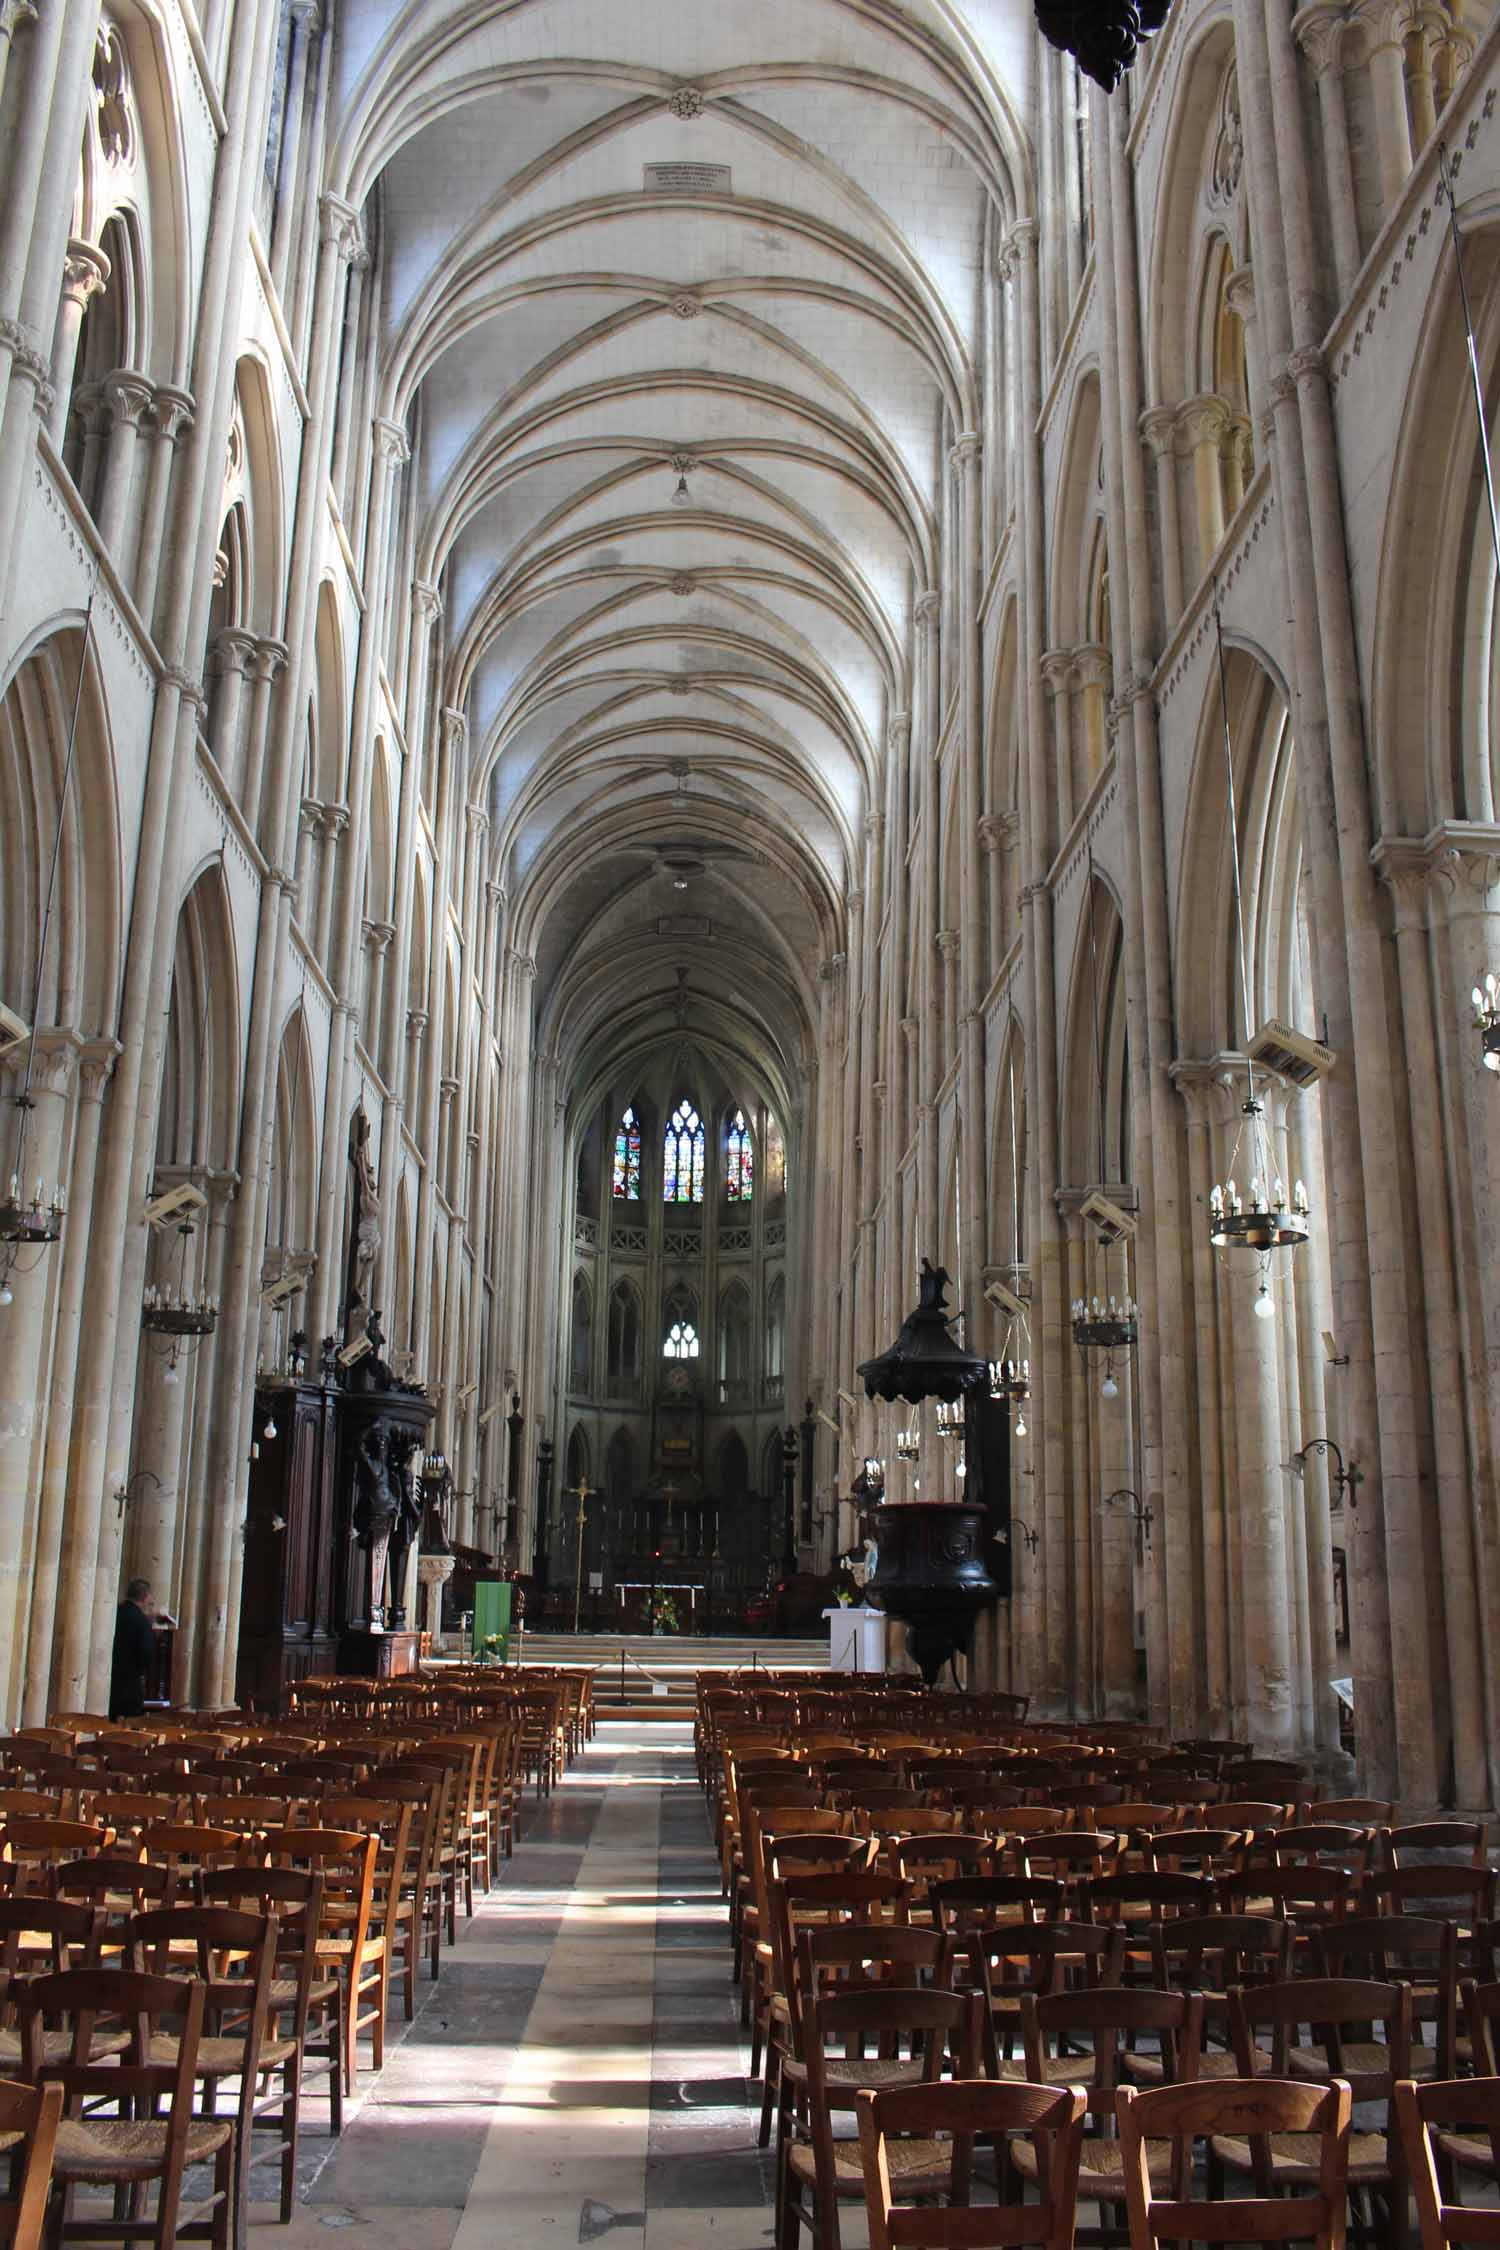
x: 221, y: 2058
x: 284, y: 1991
x: 1295, y: 2158
x: 1357, y: 2055
x: 874, y: 2072
x: 915, y: 2163
x: 1146, y: 2070
x: 57, y: 2046
x: 1057, y: 2070
x: 105, y: 2151
x: 1102, y: 2162
x: 1472, y: 2150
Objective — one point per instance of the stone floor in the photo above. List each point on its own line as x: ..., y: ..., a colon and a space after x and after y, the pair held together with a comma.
x: 577, y: 2071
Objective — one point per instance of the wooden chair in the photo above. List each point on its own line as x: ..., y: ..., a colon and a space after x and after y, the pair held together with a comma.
x: 1448, y: 2127
x: 925, y: 1860
x: 1464, y: 1842
x: 979, y: 1901
x: 1341, y: 2013
x: 234, y: 1956
x: 1102, y: 2023
x: 1211, y: 1954
x: 1369, y: 1812
x: 900, y: 2128
x: 346, y: 1945
x: 1465, y: 1895
x: 28, y: 2131
x: 870, y: 2026
x: 842, y: 1957
x: 186, y: 1848
x: 47, y: 1936
x: 1253, y: 2111
x: 305, y: 2005
x: 154, y: 2136
x: 39, y: 1845
x: 1406, y: 1949
x: 1036, y: 1958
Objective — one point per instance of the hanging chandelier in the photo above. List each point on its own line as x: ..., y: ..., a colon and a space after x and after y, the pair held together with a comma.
x: 1264, y: 1218
x: 1010, y: 1380
x: 181, y: 1314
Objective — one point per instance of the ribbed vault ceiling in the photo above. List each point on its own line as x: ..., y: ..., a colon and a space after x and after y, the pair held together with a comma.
x: 678, y: 712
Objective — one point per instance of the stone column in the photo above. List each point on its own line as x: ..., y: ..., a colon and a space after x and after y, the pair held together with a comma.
x: 1093, y: 673
x: 997, y: 838
x: 1320, y: 29
x: 15, y: 15
x: 332, y: 822
x: 266, y: 660
x: 95, y: 1063
x: 169, y: 415
x: 302, y: 32
x: 1057, y: 678
x: 85, y: 274
x: 126, y: 397
x: 229, y: 661
x: 1239, y: 296
x: 27, y: 1333
x: 1202, y: 423
x: 1383, y: 28
x: 377, y: 940
x: 1198, y: 1084
x: 947, y: 942
x: 1158, y: 426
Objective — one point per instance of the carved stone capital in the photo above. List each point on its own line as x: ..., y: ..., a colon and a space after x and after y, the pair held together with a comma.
x: 1095, y: 665
x: 910, y: 1026
x: 854, y: 901
x: 232, y: 652
x: 392, y: 444
x: 416, y: 1023
x: 1202, y: 420
x: 1057, y: 670
x: 455, y: 725
x: 86, y: 271
x: 478, y: 819
x: 267, y: 658
x: 1239, y: 294
x: 127, y: 395
x: 964, y: 452
x: 96, y: 1062
x: 447, y: 1089
x: 341, y: 227
x: 189, y: 689
x: 1308, y: 366
x: 426, y: 600
x: 378, y: 936
x: 898, y: 728
x: 946, y: 942
x: 928, y: 608
x: 1158, y: 427
x: 171, y: 411
x: 1320, y: 32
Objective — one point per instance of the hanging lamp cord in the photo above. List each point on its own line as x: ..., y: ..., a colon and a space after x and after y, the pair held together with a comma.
x: 1445, y: 189
x: 1234, y: 846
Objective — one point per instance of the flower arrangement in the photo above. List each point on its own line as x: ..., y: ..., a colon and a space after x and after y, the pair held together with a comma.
x: 664, y: 1614
x: 491, y: 1650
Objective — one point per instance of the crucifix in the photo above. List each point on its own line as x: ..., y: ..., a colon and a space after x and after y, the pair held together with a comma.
x: 582, y: 1492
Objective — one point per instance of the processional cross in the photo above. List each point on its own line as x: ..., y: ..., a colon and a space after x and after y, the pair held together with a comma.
x: 582, y: 1492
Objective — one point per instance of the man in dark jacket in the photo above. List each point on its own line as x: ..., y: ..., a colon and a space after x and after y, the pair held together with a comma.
x: 132, y: 1652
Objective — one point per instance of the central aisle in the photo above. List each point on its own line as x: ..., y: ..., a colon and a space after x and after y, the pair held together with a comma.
x: 578, y: 2072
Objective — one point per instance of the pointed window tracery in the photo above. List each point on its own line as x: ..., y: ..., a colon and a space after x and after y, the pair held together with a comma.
x: 682, y: 1157
x: 626, y: 1184
x: 739, y: 1160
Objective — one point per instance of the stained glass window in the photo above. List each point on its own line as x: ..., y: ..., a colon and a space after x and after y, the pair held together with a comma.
x: 627, y: 1175
x: 682, y: 1161
x: 682, y: 1340
x: 680, y: 1321
x: 739, y: 1164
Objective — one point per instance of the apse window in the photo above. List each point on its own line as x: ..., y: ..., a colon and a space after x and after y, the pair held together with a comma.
x: 682, y: 1157
x: 682, y: 1341
x: 627, y: 1173
x: 739, y: 1162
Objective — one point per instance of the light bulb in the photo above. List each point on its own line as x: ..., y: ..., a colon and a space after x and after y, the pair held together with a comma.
x: 1109, y: 1388
x: 270, y: 1429
x: 170, y: 1377
x: 1265, y: 1304
x: 6, y: 1295
x: 682, y: 498
x: 1020, y: 1425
